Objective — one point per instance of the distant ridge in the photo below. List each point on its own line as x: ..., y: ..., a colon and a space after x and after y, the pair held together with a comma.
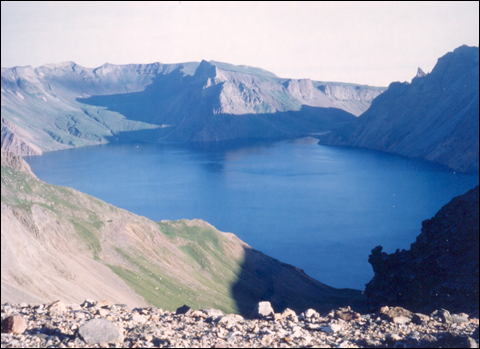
x: 65, y: 105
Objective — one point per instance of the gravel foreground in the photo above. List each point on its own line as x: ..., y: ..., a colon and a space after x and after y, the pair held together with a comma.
x: 103, y: 324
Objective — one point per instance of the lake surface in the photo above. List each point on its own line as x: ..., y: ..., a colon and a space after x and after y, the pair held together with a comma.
x: 320, y: 208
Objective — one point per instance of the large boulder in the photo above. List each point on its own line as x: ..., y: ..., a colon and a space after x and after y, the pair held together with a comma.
x: 264, y: 311
x: 100, y: 331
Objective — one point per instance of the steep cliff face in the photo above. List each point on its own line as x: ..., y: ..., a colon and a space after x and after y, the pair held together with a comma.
x: 353, y: 98
x: 436, y: 117
x: 60, y: 243
x: 441, y: 268
x: 65, y: 105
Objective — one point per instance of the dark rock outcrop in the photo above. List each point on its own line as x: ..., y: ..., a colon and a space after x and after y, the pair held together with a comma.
x: 441, y: 268
x: 434, y: 117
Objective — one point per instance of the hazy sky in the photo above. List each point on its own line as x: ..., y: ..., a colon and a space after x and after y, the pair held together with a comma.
x: 371, y: 43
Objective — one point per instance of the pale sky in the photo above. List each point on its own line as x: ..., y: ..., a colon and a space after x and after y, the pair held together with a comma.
x: 372, y: 43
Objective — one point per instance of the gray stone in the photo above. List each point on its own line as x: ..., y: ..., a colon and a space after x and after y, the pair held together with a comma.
x: 346, y: 314
x: 419, y: 318
x: 212, y: 312
x: 79, y: 315
x: 199, y: 313
x: 442, y: 315
x: 100, y: 331
x: 459, y: 319
x: 296, y: 332
x: 396, y: 315
x: 228, y: 321
x: 263, y: 310
x: 288, y: 313
x: 74, y: 306
x: 310, y: 313
x: 332, y: 328
x: 139, y: 318
x: 104, y: 304
x: 392, y: 337
x: 401, y: 320
x: 102, y: 312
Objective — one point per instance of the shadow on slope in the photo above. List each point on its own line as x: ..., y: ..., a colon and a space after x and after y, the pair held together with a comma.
x: 227, y: 127
x: 263, y: 278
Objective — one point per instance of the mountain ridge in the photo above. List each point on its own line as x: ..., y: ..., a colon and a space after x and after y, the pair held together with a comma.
x: 65, y: 105
x: 434, y: 117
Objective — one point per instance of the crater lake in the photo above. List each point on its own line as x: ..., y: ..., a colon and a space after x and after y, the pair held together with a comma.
x: 319, y: 208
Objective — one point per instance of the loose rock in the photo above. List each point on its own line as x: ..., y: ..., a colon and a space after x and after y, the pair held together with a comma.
x: 14, y: 324
x: 152, y: 327
x: 100, y: 331
x: 263, y: 310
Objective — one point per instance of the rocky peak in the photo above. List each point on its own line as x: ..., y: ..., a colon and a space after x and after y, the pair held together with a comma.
x: 205, y: 70
x: 420, y: 73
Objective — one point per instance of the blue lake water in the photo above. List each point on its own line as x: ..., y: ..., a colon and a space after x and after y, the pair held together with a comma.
x: 320, y: 208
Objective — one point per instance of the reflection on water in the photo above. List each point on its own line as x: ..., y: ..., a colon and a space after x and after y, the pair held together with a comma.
x: 319, y: 208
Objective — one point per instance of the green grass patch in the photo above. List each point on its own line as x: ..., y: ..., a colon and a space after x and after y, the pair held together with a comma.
x: 197, y: 234
x: 170, y: 293
x: 88, y: 236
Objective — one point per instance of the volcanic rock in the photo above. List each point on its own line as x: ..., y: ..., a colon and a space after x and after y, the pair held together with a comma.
x: 441, y: 268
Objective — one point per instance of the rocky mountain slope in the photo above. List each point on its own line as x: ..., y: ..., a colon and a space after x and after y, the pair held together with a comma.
x: 441, y: 268
x: 60, y: 243
x: 65, y: 105
x: 435, y: 117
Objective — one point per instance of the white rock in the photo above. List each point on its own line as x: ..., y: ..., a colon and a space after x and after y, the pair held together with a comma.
x: 139, y: 318
x: 332, y: 328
